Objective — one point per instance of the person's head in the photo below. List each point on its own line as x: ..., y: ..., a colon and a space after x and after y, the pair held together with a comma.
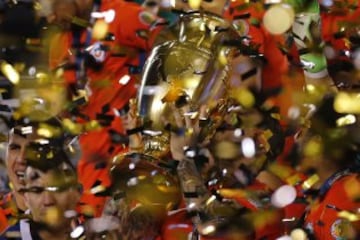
x: 20, y: 135
x: 18, y: 139
x: 50, y: 192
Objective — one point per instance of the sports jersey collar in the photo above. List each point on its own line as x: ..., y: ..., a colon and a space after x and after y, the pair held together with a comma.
x: 25, y: 230
x: 332, y: 179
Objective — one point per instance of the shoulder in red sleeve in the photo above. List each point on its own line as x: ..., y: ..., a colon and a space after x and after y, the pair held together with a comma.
x: 136, y: 26
x: 331, y: 216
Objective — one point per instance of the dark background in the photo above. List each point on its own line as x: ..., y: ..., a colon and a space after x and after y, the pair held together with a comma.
x: 18, y: 24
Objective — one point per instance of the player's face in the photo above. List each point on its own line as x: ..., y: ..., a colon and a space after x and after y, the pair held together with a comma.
x: 48, y: 205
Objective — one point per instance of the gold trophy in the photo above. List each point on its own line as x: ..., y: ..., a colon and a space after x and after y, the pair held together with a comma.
x: 194, y: 68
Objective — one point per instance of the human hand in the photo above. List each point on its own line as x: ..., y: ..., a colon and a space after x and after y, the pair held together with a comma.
x: 132, y: 123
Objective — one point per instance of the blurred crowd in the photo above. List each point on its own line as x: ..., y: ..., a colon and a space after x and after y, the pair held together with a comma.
x: 177, y: 120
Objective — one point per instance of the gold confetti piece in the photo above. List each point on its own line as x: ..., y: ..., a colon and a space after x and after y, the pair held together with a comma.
x: 37, y: 6
x: 59, y: 73
x: 223, y: 56
x: 141, y: 177
x: 310, y: 88
x: 189, y: 131
x: 118, y: 159
x: 173, y: 94
x: 347, y: 102
x: 100, y: 29
x: 42, y: 78
x: 71, y: 149
x: 293, y: 180
x: 310, y: 182
x: 313, y: 147
x: 168, y: 189
x: 243, y: 96
x: 233, y: 193
x: 281, y: 171
x: 81, y: 94
x: 195, y: 4
x: 32, y: 154
x: 276, y: 116
x: 72, y: 127
x: 92, y: 125
x: 50, y: 155
x: 266, y: 135
x: 48, y: 131
x: 210, y: 200
x: 44, y: 132
x: 9, y: 72
x: 352, y: 217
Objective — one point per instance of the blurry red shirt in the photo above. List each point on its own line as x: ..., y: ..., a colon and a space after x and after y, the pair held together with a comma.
x: 276, y: 62
x: 131, y: 34
x: 8, y: 212
x: 322, y: 220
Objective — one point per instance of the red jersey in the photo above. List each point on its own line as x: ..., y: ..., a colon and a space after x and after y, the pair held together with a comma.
x: 324, y: 219
x: 276, y: 62
x: 8, y: 212
x: 110, y: 85
x: 332, y: 23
